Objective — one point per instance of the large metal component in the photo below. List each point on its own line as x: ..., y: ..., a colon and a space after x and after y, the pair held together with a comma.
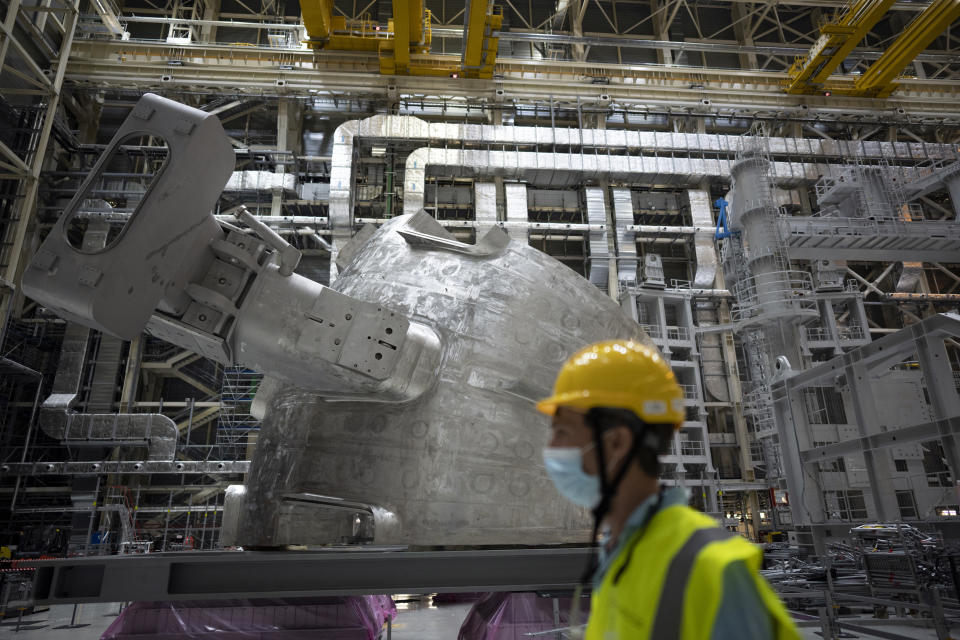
x: 398, y: 402
x: 461, y: 464
x: 226, y: 293
x: 147, y: 263
x: 772, y: 299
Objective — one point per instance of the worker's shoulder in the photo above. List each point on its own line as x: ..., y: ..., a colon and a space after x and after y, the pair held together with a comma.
x: 681, y: 522
x: 685, y: 517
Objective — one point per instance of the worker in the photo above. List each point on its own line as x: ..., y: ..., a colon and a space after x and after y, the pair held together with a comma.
x: 663, y: 571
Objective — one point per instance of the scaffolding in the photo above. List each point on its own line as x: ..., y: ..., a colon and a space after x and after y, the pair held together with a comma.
x: 237, y: 429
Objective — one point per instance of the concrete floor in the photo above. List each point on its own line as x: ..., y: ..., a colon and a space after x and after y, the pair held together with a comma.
x: 417, y: 620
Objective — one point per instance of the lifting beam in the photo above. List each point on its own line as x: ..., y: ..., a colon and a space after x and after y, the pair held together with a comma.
x: 479, y: 42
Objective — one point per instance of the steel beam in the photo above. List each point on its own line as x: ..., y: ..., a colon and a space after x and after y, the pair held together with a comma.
x: 645, y: 42
x: 106, y: 467
x: 211, y: 575
x: 879, y: 351
x: 256, y: 71
x: 897, y: 437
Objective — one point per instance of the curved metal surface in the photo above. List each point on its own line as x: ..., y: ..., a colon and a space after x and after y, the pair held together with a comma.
x: 460, y: 464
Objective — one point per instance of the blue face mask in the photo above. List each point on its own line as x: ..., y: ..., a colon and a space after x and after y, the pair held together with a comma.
x: 565, y: 467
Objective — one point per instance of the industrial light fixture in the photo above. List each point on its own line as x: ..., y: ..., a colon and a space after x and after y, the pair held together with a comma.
x: 826, y: 93
x: 378, y: 152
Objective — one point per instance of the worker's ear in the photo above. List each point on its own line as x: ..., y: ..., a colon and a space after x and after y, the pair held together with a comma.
x: 619, y: 442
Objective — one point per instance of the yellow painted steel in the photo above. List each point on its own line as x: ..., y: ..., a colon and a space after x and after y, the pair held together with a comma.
x: 404, y: 45
x: 400, y: 25
x: 837, y: 39
x: 879, y: 79
x: 317, y: 15
x: 327, y: 31
x: 479, y: 56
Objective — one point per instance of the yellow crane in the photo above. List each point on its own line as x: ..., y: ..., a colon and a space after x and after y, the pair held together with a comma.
x: 879, y: 80
x: 403, y: 44
x: 837, y: 40
x: 811, y: 74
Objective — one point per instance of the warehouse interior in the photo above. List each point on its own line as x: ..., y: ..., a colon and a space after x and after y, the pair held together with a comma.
x: 768, y: 192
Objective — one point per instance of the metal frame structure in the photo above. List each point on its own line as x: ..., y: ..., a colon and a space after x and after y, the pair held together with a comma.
x: 854, y: 371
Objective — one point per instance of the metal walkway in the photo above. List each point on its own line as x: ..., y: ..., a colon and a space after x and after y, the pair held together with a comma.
x: 882, y: 239
x: 931, y: 177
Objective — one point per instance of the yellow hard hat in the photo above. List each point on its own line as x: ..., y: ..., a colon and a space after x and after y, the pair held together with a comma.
x: 620, y: 374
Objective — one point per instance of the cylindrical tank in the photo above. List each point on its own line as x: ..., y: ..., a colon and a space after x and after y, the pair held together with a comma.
x: 770, y: 287
x: 461, y: 464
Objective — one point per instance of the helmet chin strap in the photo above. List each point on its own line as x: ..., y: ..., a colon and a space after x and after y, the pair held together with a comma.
x: 608, y: 489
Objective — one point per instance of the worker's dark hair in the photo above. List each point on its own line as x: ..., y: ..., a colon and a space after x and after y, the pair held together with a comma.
x: 649, y: 440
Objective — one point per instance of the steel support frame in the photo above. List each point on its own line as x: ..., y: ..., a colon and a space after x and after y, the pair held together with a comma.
x: 270, y: 574
x: 926, y: 338
x: 26, y: 206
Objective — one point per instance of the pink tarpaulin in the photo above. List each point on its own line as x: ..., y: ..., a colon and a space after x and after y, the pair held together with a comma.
x: 349, y: 618
x: 508, y: 616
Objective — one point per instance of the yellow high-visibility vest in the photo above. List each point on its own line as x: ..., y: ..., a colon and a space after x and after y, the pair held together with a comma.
x: 667, y: 584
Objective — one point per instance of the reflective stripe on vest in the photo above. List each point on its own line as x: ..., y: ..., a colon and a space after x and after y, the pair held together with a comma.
x: 667, y: 582
x: 666, y: 626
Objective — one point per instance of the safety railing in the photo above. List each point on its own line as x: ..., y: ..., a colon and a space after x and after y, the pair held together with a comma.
x: 817, y: 334
x: 852, y: 332
x: 689, y: 391
x: 911, y: 212
x: 691, y: 448
x: 758, y: 409
x: 845, y: 180
x: 774, y: 294
x: 652, y: 330
x: 928, y: 168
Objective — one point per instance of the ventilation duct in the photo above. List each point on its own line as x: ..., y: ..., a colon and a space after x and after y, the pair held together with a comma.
x: 413, y: 129
x: 702, y: 217
x: 155, y: 431
x: 515, y: 194
x: 599, y: 265
x: 261, y: 181
x: 409, y: 128
x: 485, y: 205
x: 626, y: 240
x: 564, y: 169
x: 909, y: 277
